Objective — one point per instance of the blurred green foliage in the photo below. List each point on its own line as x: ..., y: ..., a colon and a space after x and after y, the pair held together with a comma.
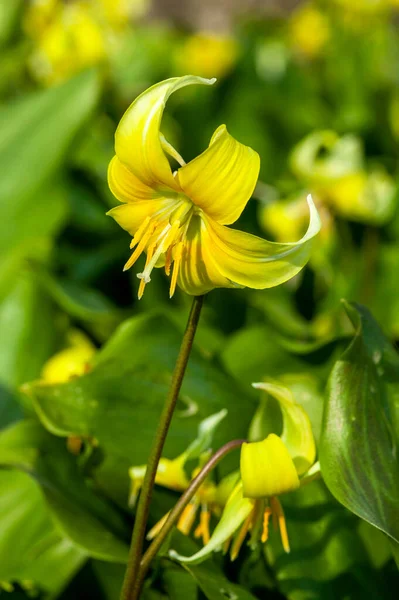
x: 316, y: 93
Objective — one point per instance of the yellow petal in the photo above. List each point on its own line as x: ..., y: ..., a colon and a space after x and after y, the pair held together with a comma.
x: 216, y: 256
x: 297, y: 432
x: 236, y: 511
x: 251, y: 261
x: 131, y: 216
x: 125, y: 186
x: 137, y: 138
x: 71, y: 362
x: 267, y: 468
x: 221, y: 179
x: 171, y: 474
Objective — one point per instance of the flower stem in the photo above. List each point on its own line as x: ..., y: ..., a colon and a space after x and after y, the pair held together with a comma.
x: 129, y: 589
x: 180, y: 505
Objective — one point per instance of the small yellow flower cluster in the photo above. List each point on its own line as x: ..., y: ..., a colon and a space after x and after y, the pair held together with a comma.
x: 69, y: 36
x: 243, y: 502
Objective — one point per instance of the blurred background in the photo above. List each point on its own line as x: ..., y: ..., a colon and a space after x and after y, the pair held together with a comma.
x: 312, y: 86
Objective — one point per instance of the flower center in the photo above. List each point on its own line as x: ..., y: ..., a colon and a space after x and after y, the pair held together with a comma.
x: 162, y: 237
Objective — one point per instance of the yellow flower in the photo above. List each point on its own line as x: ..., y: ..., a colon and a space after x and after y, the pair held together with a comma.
x: 71, y: 362
x: 71, y: 41
x: 309, y: 31
x: 209, y: 498
x: 268, y: 468
x: 118, y: 13
x: 180, y: 217
x: 207, y: 54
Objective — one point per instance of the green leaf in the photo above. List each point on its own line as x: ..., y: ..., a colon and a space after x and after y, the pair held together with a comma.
x: 84, y: 517
x: 9, y: 12
x: 33, y: 553
x: 118, y: 402
x: 179, y: 584
x: 26, y: 321
x: 358, y: 452
x: 36, y: 133
x: 215, y: 585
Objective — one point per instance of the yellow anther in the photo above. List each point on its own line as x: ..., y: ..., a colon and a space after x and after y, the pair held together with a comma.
x: 265, y: 530
x: 203, y: 528
x: 74, y: 444
x: 187, y: 518
x: 169, y: 259
x: 157, y: 527
x: 141, y: 246
x: 176, y: 266
x: 139, y: 232
x: 239, y: 540
x: 143, y: 281
x: 277, y: 510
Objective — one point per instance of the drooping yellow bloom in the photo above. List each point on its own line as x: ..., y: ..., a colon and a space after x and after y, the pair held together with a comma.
x: 71, y: 40
x: 207, y: 54
x: 309, y: 31
x: 180, y: 217
x: 209, y: 498
x: 71, y: 362
x: 269, y: 468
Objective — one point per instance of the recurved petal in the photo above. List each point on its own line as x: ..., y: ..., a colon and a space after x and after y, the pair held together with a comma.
x: 251, y: 261
x: 125, y: 186
x: 131, y: 216
x: 236, y: 511
x: 221, y: 179
x: 137, y: 138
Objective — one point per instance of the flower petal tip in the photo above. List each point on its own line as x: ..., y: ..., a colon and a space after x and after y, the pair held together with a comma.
x: 257, y: 386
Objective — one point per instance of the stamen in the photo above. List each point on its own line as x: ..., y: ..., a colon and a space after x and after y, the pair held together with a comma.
x: 277, y: 509
x: 226, y: 544
x: 149, y: 265
x: 169, y: 258
x: 203, y: 527
x: 140, y: 247
x: 157, y: 527
x: 266, y: 518
x: 176, y: 266
x: 143, y: 281
x: 239, y: 540
x: 187, y: 518
x: 139, y: 232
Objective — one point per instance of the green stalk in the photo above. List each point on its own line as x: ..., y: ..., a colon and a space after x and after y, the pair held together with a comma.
x: 179, y: 507
x: 129, y: 589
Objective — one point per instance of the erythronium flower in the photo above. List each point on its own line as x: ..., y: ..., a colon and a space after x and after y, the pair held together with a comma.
x: 171, y: 474
x: 71, y: 362
x: 269, y: 468
x: 180, y: 217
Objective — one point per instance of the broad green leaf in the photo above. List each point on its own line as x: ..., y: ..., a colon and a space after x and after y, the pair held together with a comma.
x: 252, y: 353
x: 26, y: 321
x: 33, y: 553
x: 36, y: 133
x: 215, y: 585
x: 84, y: 517
x: 118, y: 402
x: 179, y: 584
x: 9, y: 11
x: 358, y: 452
x: 81, y: 302
x: 32, y: 232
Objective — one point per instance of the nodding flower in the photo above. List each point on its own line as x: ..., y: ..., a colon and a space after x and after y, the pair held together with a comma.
x: 179, y: 218
x: 268, y: 468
